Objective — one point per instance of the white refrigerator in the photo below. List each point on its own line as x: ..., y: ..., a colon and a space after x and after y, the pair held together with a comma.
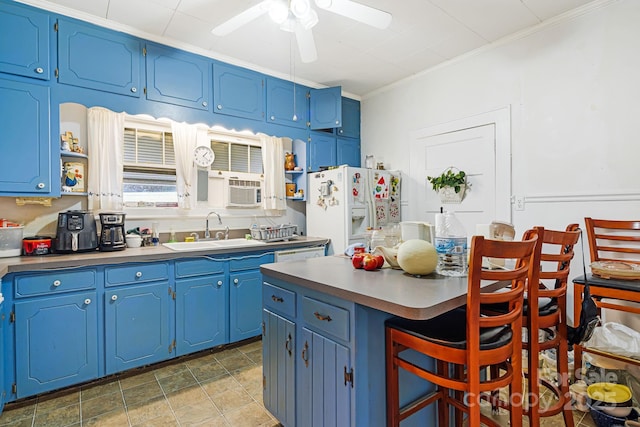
x: 345, y: 202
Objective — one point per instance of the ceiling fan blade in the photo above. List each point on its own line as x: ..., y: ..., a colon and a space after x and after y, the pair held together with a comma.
x: 306, y: 44
x: 241, y: 19
x: 358, y: 12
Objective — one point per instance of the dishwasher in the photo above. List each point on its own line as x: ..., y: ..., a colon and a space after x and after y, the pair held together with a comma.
x: 300, y: 253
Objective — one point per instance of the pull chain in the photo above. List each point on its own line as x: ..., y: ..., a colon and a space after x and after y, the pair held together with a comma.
x: 292, y: 63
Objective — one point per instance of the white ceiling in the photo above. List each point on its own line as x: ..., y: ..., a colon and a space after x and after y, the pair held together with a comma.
x: 357, y: 57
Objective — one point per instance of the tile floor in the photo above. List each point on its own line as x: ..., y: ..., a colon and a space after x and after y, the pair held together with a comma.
x: 222, y: 388
x: 219, y: 388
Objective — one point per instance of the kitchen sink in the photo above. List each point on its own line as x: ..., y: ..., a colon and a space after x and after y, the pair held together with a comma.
x: 211, y: 244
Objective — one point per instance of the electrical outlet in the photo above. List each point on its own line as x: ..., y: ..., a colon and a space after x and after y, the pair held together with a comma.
x: 519, y: 203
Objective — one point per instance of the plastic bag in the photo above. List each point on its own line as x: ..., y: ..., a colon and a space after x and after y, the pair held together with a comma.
x: 616, y: 338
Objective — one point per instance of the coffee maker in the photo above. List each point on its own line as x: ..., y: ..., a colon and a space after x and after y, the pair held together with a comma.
x: 112, y: 235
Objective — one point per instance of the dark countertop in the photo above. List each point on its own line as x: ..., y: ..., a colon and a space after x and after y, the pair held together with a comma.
x: 142, y: 254
x: 391, y: 291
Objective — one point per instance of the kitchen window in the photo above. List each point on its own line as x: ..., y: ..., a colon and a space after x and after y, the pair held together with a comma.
x: 149, y: 172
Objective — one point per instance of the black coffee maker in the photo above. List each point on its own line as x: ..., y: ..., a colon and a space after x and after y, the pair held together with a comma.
x: 112, y: 235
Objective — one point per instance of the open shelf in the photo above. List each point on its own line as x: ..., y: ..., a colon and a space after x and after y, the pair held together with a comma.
x: 64, y: 153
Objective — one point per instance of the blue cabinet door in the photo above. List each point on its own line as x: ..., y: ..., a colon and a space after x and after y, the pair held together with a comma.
x: 321, y: 152
x: 327, y: 398
x: 57, y: 342
x: 350, y: 118
x: 325, y: 108
x: 100, y: 59
x: 201, y: 313
x: 348, y: 151
x: 245, y: 305
x: 284, y: 99
x: 25, y: 47
x: 238, y: 92
x: 178, y: 78
x: 26, y: 161
x: 278, y: 362
x: 136, y: 326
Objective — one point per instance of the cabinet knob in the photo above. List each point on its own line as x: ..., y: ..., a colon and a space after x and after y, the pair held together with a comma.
x: 134, y: 89
x: 205, y: 103
x: 272, y: 117
x: 138, y: 274
x: 337, y: 122
x: 114, y: 297
x: 219, y: 106
x: 40, y: 185
x: 87, y: 301
x: 219, y: 283
x: 57, y: 283
x: 235, y: 281
x: 39, y: 70
x: 341, y: 131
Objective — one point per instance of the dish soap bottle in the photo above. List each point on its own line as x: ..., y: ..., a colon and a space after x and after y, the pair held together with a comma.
x: 451, y: 245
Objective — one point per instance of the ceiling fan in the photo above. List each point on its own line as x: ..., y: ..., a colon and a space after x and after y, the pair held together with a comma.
x: 298, y: 16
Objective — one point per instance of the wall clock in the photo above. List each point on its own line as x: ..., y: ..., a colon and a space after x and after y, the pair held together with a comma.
x: 203, y: 156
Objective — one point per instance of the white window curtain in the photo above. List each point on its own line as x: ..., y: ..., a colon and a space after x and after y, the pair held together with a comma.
x: 273, y: 195
x: 105, y: 147
x: 186, y: 138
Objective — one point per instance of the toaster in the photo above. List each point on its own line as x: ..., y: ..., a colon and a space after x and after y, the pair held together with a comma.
x: 76, y: 232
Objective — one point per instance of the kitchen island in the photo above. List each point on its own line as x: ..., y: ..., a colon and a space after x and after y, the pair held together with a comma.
x: 323, y: 338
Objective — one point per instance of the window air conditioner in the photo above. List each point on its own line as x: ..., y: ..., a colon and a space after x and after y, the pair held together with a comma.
x: 243, y: 193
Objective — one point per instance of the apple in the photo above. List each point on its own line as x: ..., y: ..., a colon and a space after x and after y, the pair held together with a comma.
x: 380, y: 260
x: 369, y: 263
x: 356, y: 260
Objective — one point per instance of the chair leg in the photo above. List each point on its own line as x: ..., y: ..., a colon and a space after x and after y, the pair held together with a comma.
x: 533, y: 375
x: 393, y: 399
x: 562, y: 367
x: 459, y: 395
x: 442, y: 368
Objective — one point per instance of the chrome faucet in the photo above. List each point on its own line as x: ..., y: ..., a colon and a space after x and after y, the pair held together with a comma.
x: 207, y: 233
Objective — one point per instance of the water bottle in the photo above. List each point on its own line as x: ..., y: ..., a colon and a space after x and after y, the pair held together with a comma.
x: 451, y: 245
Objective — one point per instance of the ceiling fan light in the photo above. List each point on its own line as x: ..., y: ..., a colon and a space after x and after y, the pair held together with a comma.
x: 309, y: 20
x: 278, y: 11
x: 323, y: 4
x: 300, y: 8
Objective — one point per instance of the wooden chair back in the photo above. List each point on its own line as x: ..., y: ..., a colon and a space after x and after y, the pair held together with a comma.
x: 613, y: 240
x: 526, y: 255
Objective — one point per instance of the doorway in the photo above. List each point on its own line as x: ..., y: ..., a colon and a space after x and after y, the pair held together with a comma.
x: 481, y: 146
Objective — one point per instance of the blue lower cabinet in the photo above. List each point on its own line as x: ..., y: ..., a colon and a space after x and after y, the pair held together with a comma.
x: 201, y: 313
x: 136, y: 326
x: 56, y: 342
x: 348, y: 152
x: 322, y: 374
x: 245, y: 304
x: 278, y: 361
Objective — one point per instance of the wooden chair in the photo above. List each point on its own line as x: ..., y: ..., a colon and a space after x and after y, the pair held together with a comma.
x: 466, y: 341
x: 609, y: 240
x: 545, y: 309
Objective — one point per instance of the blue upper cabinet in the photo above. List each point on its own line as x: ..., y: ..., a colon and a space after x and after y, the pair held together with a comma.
x: 348, y: 151
x: 176, y: 77
x: 26, y: 163
x: 325, y: 108
x: 25, y: 47
x: 95, y: 58
x: 322, y: 151
x: 238, y: 92
x: 350, y: 118
x: 284, y: 99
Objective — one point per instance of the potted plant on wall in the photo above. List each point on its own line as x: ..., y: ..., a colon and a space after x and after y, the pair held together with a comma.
x: 450, y: 185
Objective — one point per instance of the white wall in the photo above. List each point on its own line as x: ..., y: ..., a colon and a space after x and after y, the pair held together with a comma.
x: 573, y: 88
